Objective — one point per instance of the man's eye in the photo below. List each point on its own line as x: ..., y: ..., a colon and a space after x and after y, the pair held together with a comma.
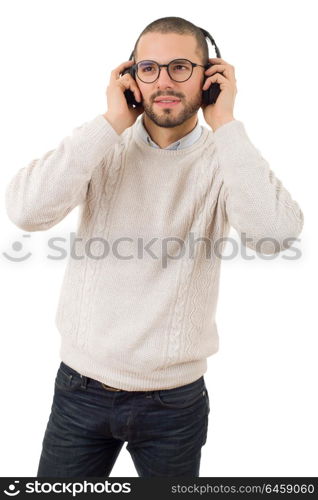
x: 146, y: 69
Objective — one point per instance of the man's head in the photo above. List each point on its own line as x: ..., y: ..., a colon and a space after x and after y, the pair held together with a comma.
x: 162, y: 41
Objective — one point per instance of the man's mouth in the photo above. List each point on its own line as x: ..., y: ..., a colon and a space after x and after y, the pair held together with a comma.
x: 166, y: 102
x: 167, y: 99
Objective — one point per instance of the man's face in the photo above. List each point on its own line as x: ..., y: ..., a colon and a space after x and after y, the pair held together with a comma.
x: 163, y: 48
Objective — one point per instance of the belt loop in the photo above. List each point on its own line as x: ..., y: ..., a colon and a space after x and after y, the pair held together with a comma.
x: 84, y: 381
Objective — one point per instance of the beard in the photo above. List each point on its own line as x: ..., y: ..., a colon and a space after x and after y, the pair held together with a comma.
x: 169, y: 117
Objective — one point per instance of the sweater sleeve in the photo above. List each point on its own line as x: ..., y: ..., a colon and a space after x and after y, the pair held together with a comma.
x: 255, y: 201
x: 42, y: 193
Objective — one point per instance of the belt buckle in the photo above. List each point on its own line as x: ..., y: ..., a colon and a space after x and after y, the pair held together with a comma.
x: 109, y: 388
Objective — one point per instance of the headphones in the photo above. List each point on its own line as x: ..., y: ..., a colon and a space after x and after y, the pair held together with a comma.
x: 209, y: 96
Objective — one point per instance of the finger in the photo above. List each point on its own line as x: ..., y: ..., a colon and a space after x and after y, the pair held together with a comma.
x: 221, y: 68
x: 116, y: 72
x: 214, y: 78
x: 226, y: 71
x: 215, y: 66
x: 224, y: 67
x: 128, y: 82
x: 217, y: 59
x: 125, y: 63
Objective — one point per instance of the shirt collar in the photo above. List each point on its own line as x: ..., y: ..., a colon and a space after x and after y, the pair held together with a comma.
x: 185, y: 141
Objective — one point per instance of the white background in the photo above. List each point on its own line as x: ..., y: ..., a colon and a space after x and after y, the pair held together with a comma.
x: 56, y: 59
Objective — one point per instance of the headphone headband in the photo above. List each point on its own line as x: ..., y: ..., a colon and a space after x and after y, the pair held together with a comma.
x: 206, y: 35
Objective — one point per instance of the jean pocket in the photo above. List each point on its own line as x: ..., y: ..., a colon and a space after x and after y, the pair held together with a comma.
x: 67, y: 379
x: 193, y: 394
x: 207, y: 399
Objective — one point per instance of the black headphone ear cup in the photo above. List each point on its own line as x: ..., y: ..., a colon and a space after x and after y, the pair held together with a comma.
x: 130, y: 96
x: 210, y: 95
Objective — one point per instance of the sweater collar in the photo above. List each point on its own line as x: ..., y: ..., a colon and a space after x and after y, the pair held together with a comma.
x: 185, y: 141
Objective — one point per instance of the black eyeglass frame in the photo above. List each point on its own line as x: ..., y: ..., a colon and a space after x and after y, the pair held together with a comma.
x: 135, y: 67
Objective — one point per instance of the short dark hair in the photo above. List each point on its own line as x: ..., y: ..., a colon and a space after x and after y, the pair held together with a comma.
x: 180, y: 26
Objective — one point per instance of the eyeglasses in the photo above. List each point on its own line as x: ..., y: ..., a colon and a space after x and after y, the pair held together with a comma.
x: 179, y: 70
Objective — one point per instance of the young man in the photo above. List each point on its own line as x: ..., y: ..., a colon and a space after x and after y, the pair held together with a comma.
x: 137, y: 308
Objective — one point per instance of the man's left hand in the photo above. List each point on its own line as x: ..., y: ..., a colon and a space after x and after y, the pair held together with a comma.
x: 222, y: 110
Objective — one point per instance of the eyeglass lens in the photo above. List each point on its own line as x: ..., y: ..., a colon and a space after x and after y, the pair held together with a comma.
x: 179, y: 70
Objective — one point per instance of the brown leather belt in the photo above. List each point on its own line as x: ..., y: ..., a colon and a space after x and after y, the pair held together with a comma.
x: 109, y: 388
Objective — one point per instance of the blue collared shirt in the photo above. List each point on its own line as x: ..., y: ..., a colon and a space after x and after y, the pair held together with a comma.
x: 184, y: 142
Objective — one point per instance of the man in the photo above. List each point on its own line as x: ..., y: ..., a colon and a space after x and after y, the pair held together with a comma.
x: 137, y: 308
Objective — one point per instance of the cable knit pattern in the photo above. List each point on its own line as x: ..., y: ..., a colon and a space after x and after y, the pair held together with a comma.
x: 133, y: 313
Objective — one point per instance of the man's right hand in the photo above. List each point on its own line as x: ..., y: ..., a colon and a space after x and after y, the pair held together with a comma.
x: 119, y: 114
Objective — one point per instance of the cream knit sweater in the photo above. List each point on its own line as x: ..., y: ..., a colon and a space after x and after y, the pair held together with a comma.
x: 138, y: 301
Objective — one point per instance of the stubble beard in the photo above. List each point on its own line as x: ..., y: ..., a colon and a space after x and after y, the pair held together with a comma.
x: 169, y: 117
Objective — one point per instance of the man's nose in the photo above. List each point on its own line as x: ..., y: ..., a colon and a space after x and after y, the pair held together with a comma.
x: 164, y: 78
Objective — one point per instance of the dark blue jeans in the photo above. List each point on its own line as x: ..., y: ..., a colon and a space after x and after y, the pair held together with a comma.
x: 88, y: 425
